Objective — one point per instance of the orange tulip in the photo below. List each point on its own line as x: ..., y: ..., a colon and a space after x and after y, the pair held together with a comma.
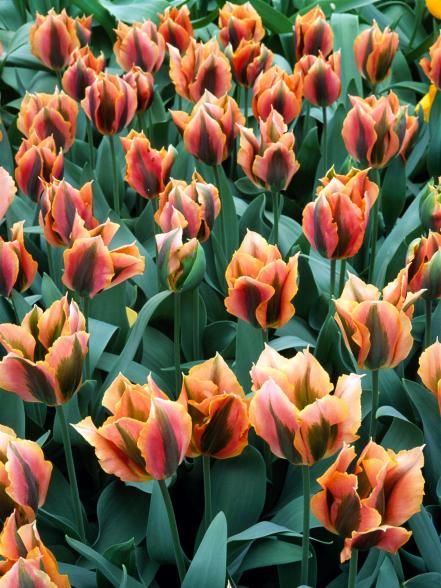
x: 430, y: 207
x: 374, y: 52
x: 139, y: 44
x: 202, y: 67
x: 368, y: 506
x: 432, y: 65
x: 261, y: 285
x: 148, y: 170
x: 7, y: 191
x: 276, y: 89
x: 192, y: 207
x: 321, y: 78
x: 269, y: 162
x: 294, y: 411
x: 424, y: 259
x: 312, y: 34
x: 82, y: 72
x: 110, y: 103
x: 142, y: 82
x: 17, y: 266
x: 218, y: 409
x: 209, y: 131
x: 176, y: 28
x: 180, y: 265
x: 237, y: 22
x: 248, y: 61
x: 147, y: 435
x: 335, y: 223
x: 430, y: 370
x: 411, y: 129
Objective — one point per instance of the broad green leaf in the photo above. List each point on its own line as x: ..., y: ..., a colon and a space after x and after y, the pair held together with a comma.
x: 430, y: 580
x: 134, y: 10
x: 427, y: 539
x: 270, y: 552
x: 159, y: 539
x: 249, y: 346
x: 12, y: 413
x: 345, y: 28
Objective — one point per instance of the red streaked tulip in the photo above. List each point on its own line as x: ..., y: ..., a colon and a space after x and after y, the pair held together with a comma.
x: 146, y: 436
x: 313, y: 34
x: 7, y: 191
x: 368, y: 506
x: 411, y: 129
x: 53, y: 38
x: 261, y: 285
x: 424, y: 259
x: 82, y: 71
x: 218, y: 409
x: 430, y: 207
x: 110, y: 103
x: 209, y: 131
x: 321, y: 78
x: 175, y: 26
x: 294, y: 411
x: 335, y: 223
x: 374, y: 52
x: 142, y: 82
x: 250, y: 59
x: 148, y: 170
x: 239, y: 21
x: 17, y: 266
x: 83, y: 27
x: 269, y: 162
x: 202, y: 67
x: 139, y: 44
x: 430, y: 369
x: 432, y: 65
x: 45, y: 354
x: 279, y: 90
x: 192, y: 207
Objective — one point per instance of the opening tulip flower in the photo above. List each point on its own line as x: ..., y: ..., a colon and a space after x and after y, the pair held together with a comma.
x: 367, y: 505
x: 248, y: 61
x: 17, y: 266
x: 321, y: 78
x: 83, y: 69
x: 424, y: 259
x: 432, y: 65
x: 139, y: 44
x: 430, y: 370
x: 147, y: 435
x: 261, y: 285
x: 7, y: 191
x: 239, y: 21
x: 143, y: 84
x: 45, y: 354
x: 175, y: 27
x: 279, y: 90
x: 430, y: 207
x: 313, y: 34
x: 374, y: 52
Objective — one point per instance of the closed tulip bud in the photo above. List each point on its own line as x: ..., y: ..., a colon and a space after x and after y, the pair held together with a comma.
x: 374, y: 52
x: 313, y: 34
x: 424, y: 259
x: 148, y: 170
x: 176, y: 28
x: 269, y: 162
x: 17, y: 266
x: 83, y: 27
x: 53, y: 38
x: 321, y: 78
x: 209, y: 131
x: 279, y: 90
x: 192, y: 207
x: 430, y: 370
x: 218, y: 409
x: 82, y: 72
x: 294, y: 411
x: 248, y: 61
x: 139, y: 44
x: 45, y: 354
x: 366, y: 503
x: 237, y: 22
x: 7, y: 191
x: 181, y: 265
x: 142, y: 82
x: 430, y: 208
x: 37, y: 162
x: 432, y: 65
x: 147, y: 435
x: 110, y: 103
x: 261, y: 285
x: 335, y: 223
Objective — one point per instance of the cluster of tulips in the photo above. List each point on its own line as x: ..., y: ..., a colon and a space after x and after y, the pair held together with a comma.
x: 367, y: 494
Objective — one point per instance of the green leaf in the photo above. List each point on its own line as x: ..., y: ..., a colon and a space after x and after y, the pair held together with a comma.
x: 434, y: 150
x: 12, y: 413
x: 270, y: 552
x: 159, y: 539
x: 78, y: 576
x: 345, y: 28
x: 95, y: 7
x: 393, y: 192
x: 131, y: 11
x: 249, y: 345
x: 427, y: 540
x: 430, y: 580
x: 100, y: 335
x: 274, y: 20
x: 387, y: 576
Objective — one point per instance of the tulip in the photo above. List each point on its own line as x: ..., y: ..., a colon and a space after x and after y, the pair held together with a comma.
x: 321, y: 78
x: 237, y: 22
x: 261, y: 285
x: 432, y: 65
x: 83, y: 27
x: 37, y: 162
x: 191, y: 207
x: 82, y: 72
x: 430, y: 370
x: 248, y: 61
x: 312, y: 34
x: 434, y: 8
x: 53, y: 38
x: 426, y: 102
x: 8, y: 191
x: 430, y: 208
x: 209, y: 131
x: 411, y: 130
x: 202, y: 67
x: 142, y: 83
x: 374, y: 52
x: 276, y: 89
x: 17, y: 266
x: 139, y: 44
x: 148, y: 170
x: 176, y: 28
x: 368, y: 507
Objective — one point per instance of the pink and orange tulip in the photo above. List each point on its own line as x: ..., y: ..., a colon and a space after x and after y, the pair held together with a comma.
x: 7, y: 192
x: 142, y: 82
x: 181, y: 265
x: 432, y: 65
x: 313, y: 34
x: 17, y: 266
x: 139, y: 44
x: 147, y: 435
x: 374, y: 52
x: 293, y: 409
x: 424, y: 259
x: 430, y: 207
x: 430, y: 370
x: 279, y: 90
x: 237, y: 22
x: 261, y: 285
x: 82, y: 71
x: 218, y: 410
x: 367, y: 505
x: 248, y: 61
x: 176, y: 28
x: 321, y: 78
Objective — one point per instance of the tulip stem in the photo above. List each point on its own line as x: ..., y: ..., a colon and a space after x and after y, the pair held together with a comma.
x: 196, y: 320
x: 342, y: 280
x: 177, y: 342
x: 116, y: 203
x: 71, y: 472
x: 90, y: 142
x: 428, y: 329
x: 332, y: 278
x: 179, y: 555
x: 374, y: 233
x: 208, y: 511
x: 306, y: 517
x: 325, y: 139
x: 222, y: 212
x: 86, y: 307
x: 276, y: 214
x: 353, y: 565
x: 375, y: 395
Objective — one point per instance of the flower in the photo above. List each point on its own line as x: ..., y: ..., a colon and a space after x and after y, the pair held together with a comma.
x: 368, y: 506
x: 276, y: 89
x: 335, y: 222
x: 202, y: 67
x: 374, y: 52
x: 192, y: 207
x: 147, y: 435
x: 426, y: 102
x: 142, y: 82
x: 434, y: 8
x: 430, y: 207
x: 294, y: 411
x: 176, y: 28
x: 430, y: 369
x: 139, y: 44
x: 269, y: 162
x: 261, y: 285
x: 432, y: 65
x: 239, y: 21
x: 17, y: 266
x: 148, y: 170
x: 7, y: 193
x: 321, y: 78
x: 82, y: 71
x: 424, y: 259
x: 218, y: 409
x: 250, y: 59
x: 45, y: 354
x: 312, y: 34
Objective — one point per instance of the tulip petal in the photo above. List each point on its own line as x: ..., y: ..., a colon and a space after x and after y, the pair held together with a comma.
x: 246, y: 297
x: 31, y: 382
x: 388, y: 538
